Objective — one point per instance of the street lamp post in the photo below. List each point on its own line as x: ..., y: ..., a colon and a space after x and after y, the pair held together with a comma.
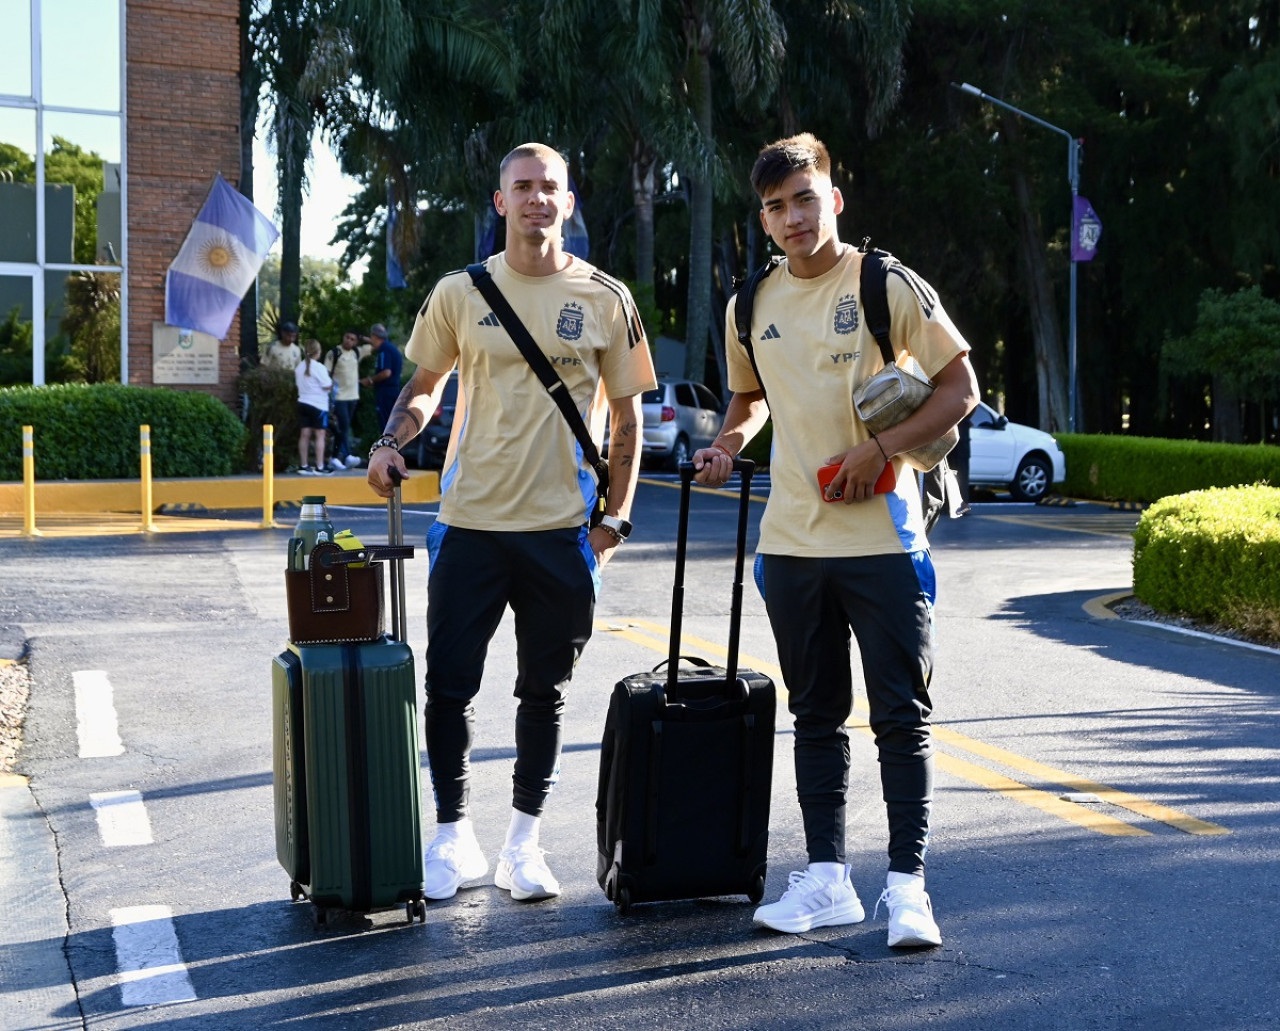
x: 1073, y: 174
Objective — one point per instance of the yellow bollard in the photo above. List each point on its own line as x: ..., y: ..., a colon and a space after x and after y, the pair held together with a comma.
x: 147, y: 524
x: 268, y: 478
x: 29, y: 483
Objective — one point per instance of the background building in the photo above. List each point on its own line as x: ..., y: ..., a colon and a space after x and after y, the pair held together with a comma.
x: 114, y: 117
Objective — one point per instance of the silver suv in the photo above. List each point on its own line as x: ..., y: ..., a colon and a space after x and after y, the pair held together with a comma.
x: 680, y: 417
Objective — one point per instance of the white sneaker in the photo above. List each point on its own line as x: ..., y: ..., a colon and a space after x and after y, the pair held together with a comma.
x: 812, y: 901
x: 523, y: 872
x: 911, y: 922
x: 450, y: 863
x: 336, y: 464
x: 354, y: 461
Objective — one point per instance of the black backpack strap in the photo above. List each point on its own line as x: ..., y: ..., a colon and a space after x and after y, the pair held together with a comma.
x: 547, y: 375
x: 874, y: 287
x: 743, y: 310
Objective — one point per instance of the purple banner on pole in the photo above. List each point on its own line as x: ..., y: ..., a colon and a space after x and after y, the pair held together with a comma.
x: 1086, y: 230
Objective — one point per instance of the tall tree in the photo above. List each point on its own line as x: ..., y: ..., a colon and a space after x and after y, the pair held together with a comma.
x: 749, y: 40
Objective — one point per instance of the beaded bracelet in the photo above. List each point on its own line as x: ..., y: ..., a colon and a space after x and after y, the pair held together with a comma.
x: 384, y: 441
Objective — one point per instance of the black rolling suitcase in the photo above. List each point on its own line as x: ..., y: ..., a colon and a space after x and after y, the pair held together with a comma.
x: 346, y: 763
x: 686, y: 763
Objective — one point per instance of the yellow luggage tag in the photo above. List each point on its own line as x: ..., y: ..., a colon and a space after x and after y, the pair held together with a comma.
x: 348, y: 541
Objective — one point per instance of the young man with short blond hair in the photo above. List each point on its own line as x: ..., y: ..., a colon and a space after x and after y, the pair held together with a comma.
x: 516, y: 493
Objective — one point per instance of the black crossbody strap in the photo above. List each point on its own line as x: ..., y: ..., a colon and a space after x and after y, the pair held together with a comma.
x: 743, y: 309
x: 874, y: 283
x: 547, y: 375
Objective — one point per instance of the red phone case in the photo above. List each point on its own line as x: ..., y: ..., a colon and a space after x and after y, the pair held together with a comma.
x: 885, y: 482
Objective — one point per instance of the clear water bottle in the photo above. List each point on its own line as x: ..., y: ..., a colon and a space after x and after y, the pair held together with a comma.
x: 313, y: 528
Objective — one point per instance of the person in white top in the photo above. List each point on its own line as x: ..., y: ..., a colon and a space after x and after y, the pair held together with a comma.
x: 314, y: 385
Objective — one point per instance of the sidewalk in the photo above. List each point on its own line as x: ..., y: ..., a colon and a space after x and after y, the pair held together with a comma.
x: 38, y: 984
x: 96, y: 507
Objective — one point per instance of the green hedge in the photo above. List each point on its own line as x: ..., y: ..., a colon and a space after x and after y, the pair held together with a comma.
x: 1213, y: 554
x: 1144, y: 469
x: 91, y: 432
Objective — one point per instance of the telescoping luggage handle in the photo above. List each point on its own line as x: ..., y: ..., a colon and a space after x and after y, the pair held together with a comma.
x: 395, y: 537
x: 745, y: 468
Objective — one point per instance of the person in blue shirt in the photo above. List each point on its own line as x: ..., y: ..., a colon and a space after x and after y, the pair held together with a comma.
x: 385, y: 379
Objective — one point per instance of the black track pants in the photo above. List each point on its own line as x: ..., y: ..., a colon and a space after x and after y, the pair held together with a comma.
x: 547, y: 579
x: 886, y: 601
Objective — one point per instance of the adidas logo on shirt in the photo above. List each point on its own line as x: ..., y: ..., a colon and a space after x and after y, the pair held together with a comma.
x: 489, y: 320
x: 771, y: 333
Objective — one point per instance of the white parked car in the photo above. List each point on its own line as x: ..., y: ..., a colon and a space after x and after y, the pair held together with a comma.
x: 1009, y: 456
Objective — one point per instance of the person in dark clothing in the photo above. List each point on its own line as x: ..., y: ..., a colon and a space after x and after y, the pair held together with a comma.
x: 385, y: 378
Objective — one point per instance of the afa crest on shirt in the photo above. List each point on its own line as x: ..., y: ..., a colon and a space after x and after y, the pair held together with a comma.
x: 569, y: 325
x: 847, y: 314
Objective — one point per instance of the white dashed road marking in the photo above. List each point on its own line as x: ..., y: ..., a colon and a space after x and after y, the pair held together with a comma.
x: 148, y: 958
x: 122, y: 818
x: 96, y: 724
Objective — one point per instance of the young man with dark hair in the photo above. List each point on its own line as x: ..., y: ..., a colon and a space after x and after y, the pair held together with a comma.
x: 830, y: 569
x: 513, y: 523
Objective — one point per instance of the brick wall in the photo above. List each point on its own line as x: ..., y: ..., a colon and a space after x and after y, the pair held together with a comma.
x: 183, y: 125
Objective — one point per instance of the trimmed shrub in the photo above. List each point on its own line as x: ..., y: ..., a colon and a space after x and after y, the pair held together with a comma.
x: 1213, y: 554
x: 91, y: 432
x: 1144, y: 469
x: 272, y: 393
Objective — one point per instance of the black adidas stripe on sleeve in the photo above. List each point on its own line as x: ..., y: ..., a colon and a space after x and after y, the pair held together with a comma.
x: 635, y: 330
x: 925, y: 294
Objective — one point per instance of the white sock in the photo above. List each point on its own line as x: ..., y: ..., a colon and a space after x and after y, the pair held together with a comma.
x: 522, y: 829
x: 831, y: 873
x: 460, y: 830
x: 895, y: 879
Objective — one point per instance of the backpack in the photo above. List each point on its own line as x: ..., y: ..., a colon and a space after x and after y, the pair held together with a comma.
x: 874, y: 288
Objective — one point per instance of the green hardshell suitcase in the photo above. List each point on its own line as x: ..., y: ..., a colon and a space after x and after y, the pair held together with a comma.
x: 347, y: 770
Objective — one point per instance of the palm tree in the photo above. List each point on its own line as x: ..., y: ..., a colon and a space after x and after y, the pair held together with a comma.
x: 750, y: 41
x: 346, y: 69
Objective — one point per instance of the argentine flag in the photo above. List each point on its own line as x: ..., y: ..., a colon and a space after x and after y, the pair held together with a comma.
x: 218, y: 262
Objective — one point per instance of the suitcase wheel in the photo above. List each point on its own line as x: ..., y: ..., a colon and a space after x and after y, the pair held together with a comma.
x: 416, y: 909
x: 757, y: 890
x: 295, y: 891
x: 623, y: 901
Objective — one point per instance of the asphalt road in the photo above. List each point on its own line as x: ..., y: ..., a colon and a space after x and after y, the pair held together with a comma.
x: 1150, y: 906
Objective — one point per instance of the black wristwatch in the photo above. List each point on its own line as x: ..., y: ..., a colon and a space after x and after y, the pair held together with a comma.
x: 621, y: 528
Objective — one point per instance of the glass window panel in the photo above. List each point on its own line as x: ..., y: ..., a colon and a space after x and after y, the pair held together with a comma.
x: 82, y: 327
x: 80, y: 54
x: 15, y: 48
x: 15, y: 331
x: 82, y: 188
x: 17, y: 184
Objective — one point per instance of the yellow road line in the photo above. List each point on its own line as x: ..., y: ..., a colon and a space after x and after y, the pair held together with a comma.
x: 1100, y: 607
x: 1090, y: 819
x: 1151, y: 810
x: 723, y: 492
x: 962, y: 768
x: 1069, y: 524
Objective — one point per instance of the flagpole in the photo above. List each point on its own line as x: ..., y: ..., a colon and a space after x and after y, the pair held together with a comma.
x: 1073, y: 174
